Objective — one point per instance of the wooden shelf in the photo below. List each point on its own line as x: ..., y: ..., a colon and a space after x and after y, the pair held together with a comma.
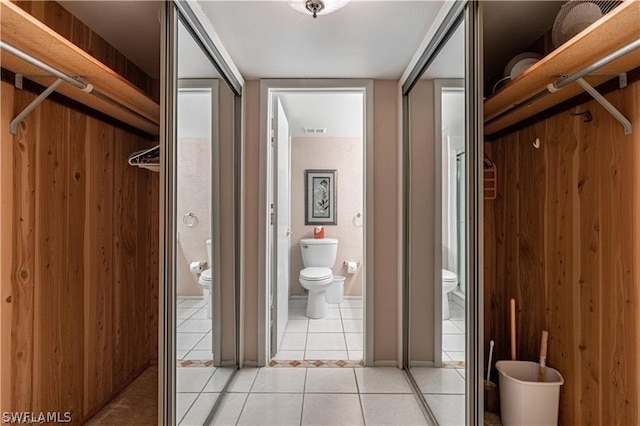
x: 28, y: 34
x: 615, y: 30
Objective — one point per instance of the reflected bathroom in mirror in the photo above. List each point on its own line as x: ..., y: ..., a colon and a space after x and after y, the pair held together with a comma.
x: 204, y: 276
x: 437, y: 138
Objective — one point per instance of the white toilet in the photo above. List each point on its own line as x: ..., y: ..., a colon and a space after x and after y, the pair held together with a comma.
x: 449, y: 283
x: 318, y: 257
x: 205, y: 280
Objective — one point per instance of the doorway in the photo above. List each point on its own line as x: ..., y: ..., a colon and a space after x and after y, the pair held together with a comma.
x: 316, y: 142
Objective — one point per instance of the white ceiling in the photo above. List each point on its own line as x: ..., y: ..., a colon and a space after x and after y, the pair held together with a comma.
x: 132, y: 27
x: 449, y: 63
x: 192, y: 62
x: 365, y: 39
x: 340, y: 113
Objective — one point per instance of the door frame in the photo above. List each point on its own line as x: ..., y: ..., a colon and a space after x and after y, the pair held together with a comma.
x: 269, y: 87
x: 439, y: 86
x: 274, y: 260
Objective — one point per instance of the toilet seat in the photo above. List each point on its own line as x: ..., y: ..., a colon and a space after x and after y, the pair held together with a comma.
x: 448, y: 276
x: 316, y: 274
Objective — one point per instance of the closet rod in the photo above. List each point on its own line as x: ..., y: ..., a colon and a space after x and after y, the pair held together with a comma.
x: 45, y: 67
x: 596, y: 65
x: 85, y: 87
x: 563, y: 81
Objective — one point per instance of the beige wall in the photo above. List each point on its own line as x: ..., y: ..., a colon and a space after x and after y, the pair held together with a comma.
x: 227, y: 224
x: 251, y: 185
x: 193, y: 196
x: 386, y: 198
x: 385, y: 210
x: 422, y: 221
x: 346, y: 156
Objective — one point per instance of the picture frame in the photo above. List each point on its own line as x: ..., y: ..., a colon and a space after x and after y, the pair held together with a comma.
x: 321, y: 206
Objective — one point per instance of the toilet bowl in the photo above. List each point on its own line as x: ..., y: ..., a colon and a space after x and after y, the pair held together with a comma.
x: 449, y: 283
x: 205, y: 280
x: 317, y: 280
x: 318, y: 257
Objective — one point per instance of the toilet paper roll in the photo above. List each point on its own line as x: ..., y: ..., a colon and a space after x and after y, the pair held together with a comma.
x: 352, y: 267
x: 196, y: 267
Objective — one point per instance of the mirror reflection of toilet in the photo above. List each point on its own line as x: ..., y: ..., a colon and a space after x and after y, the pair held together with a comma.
x: 449, y: 283
x: 318, y: 258
x: 205, y: 280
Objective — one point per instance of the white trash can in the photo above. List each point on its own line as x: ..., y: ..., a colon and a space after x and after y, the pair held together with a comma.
x: 525, y: 401
x: 335, y: 292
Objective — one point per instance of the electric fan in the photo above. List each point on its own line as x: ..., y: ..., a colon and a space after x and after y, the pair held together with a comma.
x: 576, y: 15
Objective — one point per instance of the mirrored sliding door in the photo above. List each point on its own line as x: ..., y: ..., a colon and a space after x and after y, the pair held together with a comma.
x: 199, y: 175
x: 441, y: 284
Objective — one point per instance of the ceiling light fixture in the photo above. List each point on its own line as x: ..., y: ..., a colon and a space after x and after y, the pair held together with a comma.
x: 317, y: 7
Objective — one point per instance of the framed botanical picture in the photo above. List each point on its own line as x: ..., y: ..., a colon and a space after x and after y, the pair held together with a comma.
x: 321, y: 207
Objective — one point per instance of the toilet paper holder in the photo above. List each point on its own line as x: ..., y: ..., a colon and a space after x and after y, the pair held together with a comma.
x: 346, y: 263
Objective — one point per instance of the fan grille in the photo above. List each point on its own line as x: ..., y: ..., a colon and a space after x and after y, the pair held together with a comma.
x: 576, y: 15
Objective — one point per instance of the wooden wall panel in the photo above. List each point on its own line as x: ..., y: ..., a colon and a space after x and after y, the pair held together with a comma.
x: 6, y: 249
x: 563, y: 238
x: 99, y: 360
x: 23, y: 271
x: 84, y: 271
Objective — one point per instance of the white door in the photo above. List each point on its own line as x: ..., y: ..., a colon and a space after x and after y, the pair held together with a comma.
x: 282, y: 231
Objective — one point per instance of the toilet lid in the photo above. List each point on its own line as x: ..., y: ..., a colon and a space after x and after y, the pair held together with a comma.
x: 206, y: 275
x: 316, y: 274
x: 448, y: 275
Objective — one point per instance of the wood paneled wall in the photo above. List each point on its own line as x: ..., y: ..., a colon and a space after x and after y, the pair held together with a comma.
x: 83, y: 294
x: 63, y: 22
x: 563, y: 238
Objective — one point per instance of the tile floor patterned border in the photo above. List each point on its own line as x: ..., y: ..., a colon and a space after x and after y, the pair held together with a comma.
x: 316, y: 364
x: 195, y: 363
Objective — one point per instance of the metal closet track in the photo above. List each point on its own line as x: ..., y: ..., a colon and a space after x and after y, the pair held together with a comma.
x: 61, y: 77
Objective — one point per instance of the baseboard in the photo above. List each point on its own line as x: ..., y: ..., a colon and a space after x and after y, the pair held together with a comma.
x: 420, y: 364
x: 228, y: 363
x: 250, y: 364
x: 383, y: 363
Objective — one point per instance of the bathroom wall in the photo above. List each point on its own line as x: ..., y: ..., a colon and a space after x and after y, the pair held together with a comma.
x: 346, y: 156
x: 422, y: 221
x: 194, y: 185
x: 386, y: 217
x: 563, y: 239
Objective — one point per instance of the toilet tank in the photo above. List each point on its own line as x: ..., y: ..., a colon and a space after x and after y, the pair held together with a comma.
x: 209, y: 253
x: 319, y: 252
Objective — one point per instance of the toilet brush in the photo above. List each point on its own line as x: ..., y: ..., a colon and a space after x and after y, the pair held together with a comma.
x: 489, y: 364
x: 490, y: 390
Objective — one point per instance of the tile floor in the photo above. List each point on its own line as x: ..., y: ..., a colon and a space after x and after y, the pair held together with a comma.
x: 198, y: 389
x: 319, y: 396
x: 194, y: 341
x: 453, y: 332
x: 337, y: 336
